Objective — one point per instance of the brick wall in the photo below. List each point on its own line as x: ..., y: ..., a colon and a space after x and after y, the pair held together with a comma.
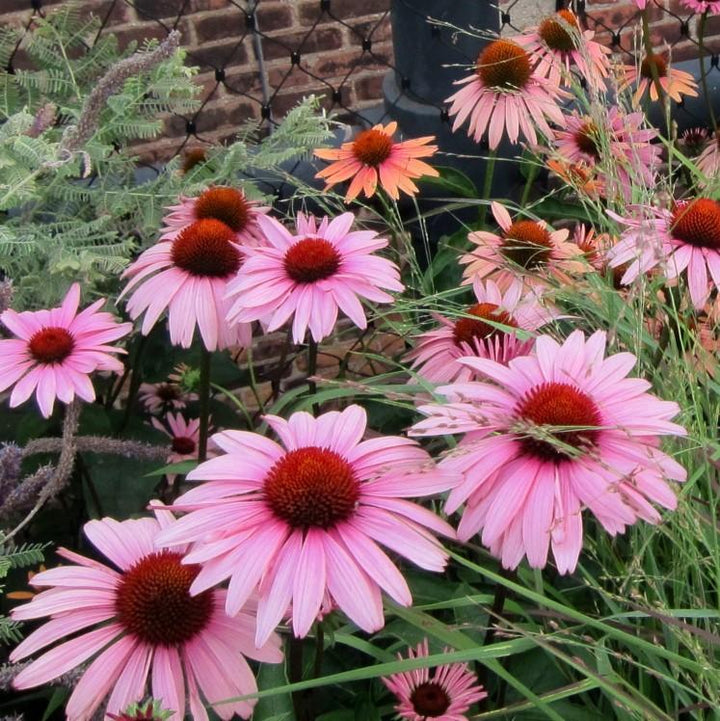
x: 252, y: 65
x: 261, y: 64
x: 671, y: 24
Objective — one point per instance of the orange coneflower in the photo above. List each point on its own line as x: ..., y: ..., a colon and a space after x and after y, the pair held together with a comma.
x: 675, y: 83
x: 373, y: 157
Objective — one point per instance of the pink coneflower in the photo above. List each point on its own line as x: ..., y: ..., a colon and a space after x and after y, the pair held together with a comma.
x: 372, y: 158
x: 693, y: 141
x: 160, y: 397
x: 620, y: 146
x: 139, y: 623
x: 54, y: 351
x: 702, y: 6
x: 304, y: 519
x: 593, y: 245
x: 558, y: 43
x: 189, y: 276
x: 437, y: 352
x: 684, y: 238
x: 228, y: 205
x: 708, y: 162
x: 505, y: 94
x: 551, y: 433
x: 184, y: 435
x: 674, y: 83
x: 527, y: 249
x: 445, y: 693
x: 322, y: 269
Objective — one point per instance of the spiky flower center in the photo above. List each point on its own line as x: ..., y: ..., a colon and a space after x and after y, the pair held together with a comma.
x: 504, y: 65
x: 228, y: 205
x: 467, y: 330
x: 167, y: 392
x: 153, y: 601
x: 206, y: 249
x: 51, y: 345
x: 656, y: 62
x: 183, y: 445
x: 556, y: 33
x: 527, y: 244
x: 693, y: 140
x: 372, y: 147
x: 430, y: 699
x: 192, y: 158
x: 312, y: 487
x: 697, y: 223
x: 586, y: 139
x: 311, y: 259
x: 571, y: 415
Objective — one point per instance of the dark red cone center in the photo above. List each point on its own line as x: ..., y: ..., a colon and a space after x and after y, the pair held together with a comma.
x: 312, y: 487
x: 51, y: 345
x: 372, y: 147
x: 430, y: 699
x: 556, y: 33
x: 653, y: 61
x: 228, y: 205
x: 571, y: 414
x: 311, y: 259
x: 504, y: 65
x: 206, y: 249
x: 697, y: 223
x: 527, y: 244
x: 153, y: 601
x: 183, y: 445
x: 467, y: 330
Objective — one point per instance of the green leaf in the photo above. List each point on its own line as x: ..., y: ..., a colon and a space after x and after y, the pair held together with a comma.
x: 453, y: 181
x: 182, y: 468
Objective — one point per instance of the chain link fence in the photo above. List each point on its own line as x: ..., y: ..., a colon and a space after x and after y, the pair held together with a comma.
x: 257, y: 58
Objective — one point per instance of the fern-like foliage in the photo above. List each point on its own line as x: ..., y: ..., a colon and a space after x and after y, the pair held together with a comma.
x: 12, y: 557
x: 80, y: 215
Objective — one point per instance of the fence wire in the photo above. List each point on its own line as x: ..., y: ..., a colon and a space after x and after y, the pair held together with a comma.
x: 255, y: 46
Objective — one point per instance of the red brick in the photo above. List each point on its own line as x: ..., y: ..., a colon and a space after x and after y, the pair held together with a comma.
x: 238, y: 80
x: 369, y: 88
x: 341, y: 63
x: 228, y: 111
x: 284, y: 102
x: 377, y: 30
x: 342, y: 9
x: 316, y: 41
x: 200, y: 5
x: 138, y: 33
x: 220, y: 25
x: 158, y: 9
x: 274, y: 16
x: 218, y: 56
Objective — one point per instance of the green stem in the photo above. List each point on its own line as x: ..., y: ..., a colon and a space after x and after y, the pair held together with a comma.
x: 135, y: 381
x: 487, y: 185
x: 647, y: 42
x: 319, y: 649
x: 204, y: 393
x: 311, y: 370
x: 494, y: 614
x: 703, y: 71
x: 532, y: 175
x: 295, y: 673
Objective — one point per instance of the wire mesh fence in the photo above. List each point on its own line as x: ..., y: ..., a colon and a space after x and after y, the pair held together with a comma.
x: 257, y: 58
